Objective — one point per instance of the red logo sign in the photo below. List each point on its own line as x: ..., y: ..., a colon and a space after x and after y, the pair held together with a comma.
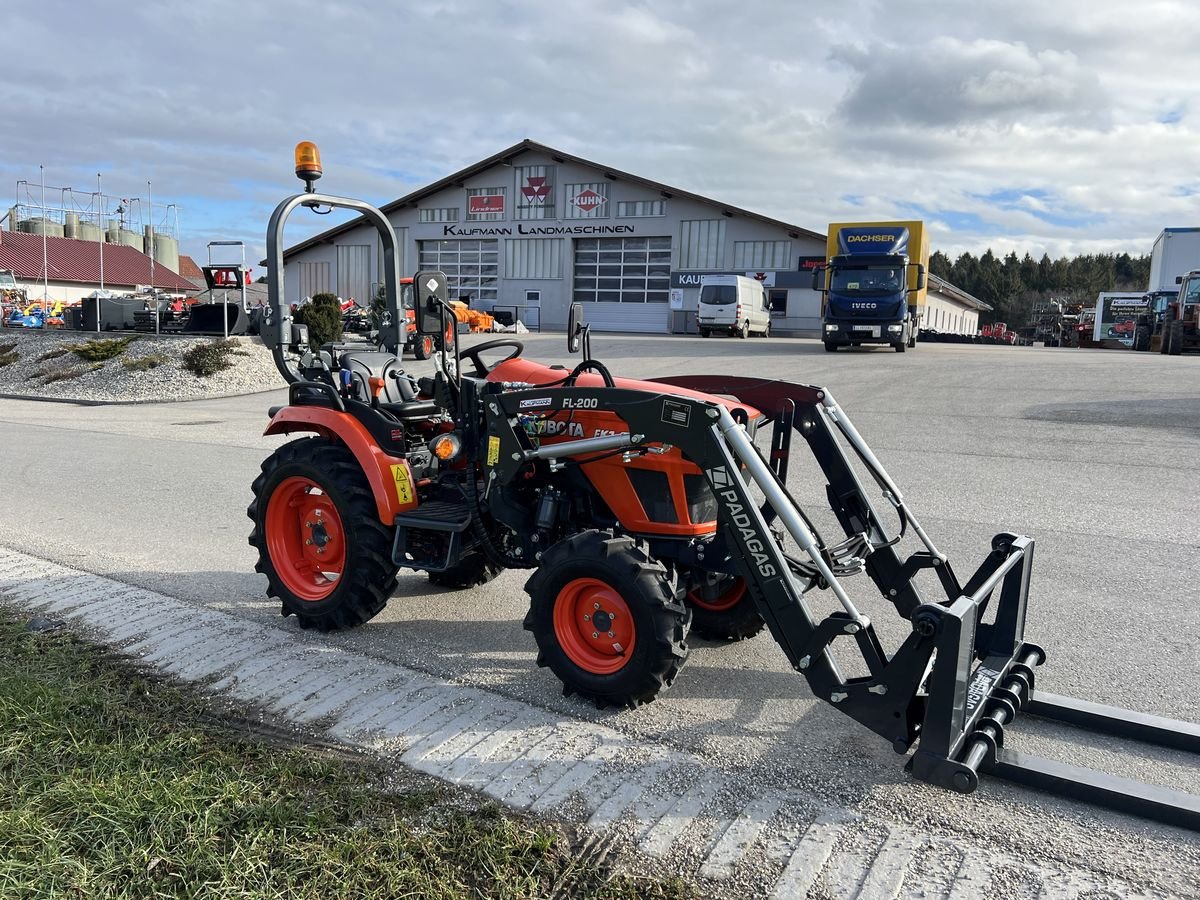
x: 488, y: 203
x: 587, y: 200
x: 536, y: 190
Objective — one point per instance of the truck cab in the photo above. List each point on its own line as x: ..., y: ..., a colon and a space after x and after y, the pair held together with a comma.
x: 873, y: 287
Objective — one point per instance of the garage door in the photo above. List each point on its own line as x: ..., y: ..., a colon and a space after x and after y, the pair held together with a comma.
x: 623, y: 283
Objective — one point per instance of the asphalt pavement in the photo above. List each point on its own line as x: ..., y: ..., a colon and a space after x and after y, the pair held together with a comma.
x: 1092, y: 453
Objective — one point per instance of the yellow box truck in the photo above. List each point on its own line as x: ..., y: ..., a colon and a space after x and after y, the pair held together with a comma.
x: 873, y: 285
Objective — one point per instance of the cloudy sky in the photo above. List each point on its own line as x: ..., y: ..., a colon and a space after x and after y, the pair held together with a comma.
x: 1062, y: 127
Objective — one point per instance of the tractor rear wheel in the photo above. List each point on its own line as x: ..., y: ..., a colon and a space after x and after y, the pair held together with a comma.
x: 472, y: 570
x: 722, y: 608
x: 606, y: 620
x: 326, y: 555
x: 1141, y: 338
x: 1175, y: 335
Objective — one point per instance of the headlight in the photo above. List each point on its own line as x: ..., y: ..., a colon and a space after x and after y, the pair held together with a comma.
x: 895, y: 328
x: 833, y: 326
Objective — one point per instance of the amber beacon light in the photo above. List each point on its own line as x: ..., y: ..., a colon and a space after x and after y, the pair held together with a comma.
x: 308, y: 163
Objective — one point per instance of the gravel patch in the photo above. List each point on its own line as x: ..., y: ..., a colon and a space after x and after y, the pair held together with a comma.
x: 113, y: 381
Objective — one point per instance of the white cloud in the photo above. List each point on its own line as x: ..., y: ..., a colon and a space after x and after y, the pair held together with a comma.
x: 1082, y: 107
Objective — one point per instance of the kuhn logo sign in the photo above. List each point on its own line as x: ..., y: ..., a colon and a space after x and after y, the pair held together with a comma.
x: 588, y: 200
x: 722, y: 485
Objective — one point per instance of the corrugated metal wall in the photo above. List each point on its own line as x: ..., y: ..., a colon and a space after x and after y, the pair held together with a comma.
x: 354, y: 271
x: 533, y: 258
x: 314, y: 278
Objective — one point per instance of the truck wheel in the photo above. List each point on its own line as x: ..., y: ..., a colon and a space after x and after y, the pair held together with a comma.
x: 423, y: 346
x: 767, y: 331
x: 900, y: 346
x: 606, y: 620
x: 722, y: 608
x: 326, y: 555
x: 744, y: 331
x: 1141, y: 338
x: 704, y: 332
x: 472, y: 570
x: 830, y: 348
x: 1175, y: 333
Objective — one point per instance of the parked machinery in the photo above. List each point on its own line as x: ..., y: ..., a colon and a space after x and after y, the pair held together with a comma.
x: 646, y: 511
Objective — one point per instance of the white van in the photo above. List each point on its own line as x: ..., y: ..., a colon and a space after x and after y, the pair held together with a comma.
x: 734, y: 304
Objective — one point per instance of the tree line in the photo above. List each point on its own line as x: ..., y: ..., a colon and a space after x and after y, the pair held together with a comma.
x: 1012, y: 285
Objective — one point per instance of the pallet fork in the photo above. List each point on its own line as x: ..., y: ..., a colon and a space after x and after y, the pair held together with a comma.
x: 957, y: 682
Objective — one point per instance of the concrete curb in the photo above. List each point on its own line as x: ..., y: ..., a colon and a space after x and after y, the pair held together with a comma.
x: 746, y: 839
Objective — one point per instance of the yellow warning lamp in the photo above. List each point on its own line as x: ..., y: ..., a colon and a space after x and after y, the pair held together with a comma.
x: 308, y: 163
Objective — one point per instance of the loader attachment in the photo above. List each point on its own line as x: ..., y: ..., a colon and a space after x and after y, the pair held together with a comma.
x: 963, y: 672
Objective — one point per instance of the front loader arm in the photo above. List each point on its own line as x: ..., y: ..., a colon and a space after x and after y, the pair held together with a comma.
x: 955, y: 682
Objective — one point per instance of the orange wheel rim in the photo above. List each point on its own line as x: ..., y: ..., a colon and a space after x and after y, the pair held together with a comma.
x: 594, y: 626
x: 427, y: 345
x: 719, y: 597
x: 305, y: 538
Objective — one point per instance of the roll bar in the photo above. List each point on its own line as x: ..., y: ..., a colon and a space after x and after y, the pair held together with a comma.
x: 277, y: 329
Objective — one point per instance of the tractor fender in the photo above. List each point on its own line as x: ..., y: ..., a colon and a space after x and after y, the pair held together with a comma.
x: 391, y: 479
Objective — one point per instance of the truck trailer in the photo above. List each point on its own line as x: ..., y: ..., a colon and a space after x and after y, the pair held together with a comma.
x: 1176, y: 252
x: 873, y: 284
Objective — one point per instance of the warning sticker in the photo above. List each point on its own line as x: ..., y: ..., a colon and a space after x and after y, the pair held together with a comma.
x: 493, y: 456
x: 404, y: 486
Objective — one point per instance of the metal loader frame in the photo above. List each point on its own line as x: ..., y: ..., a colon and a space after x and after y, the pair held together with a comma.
x: 955, y: 683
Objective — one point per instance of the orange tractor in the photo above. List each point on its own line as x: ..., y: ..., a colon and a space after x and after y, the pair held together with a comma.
x: 645, y: 511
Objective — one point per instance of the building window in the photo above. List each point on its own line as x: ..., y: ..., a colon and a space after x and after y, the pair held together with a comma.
x: 702, y: 244
x: 534, y: 192
x: 533, y: 258
x: 485, y: 204
x: 632, y: 209
x: 472, y: 267
x: 587, y: 201
x: 445, y: 214
x: 622, y: 270
x: 778, y: 302
x: 762, y: 254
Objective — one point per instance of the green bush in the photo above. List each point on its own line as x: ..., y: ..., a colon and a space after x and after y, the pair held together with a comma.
x: 56, y: 352
x: 8, y: 357
x: 323, y: 316
x: 69, y: 373
x: 208, y: 359
x: 99, y: 350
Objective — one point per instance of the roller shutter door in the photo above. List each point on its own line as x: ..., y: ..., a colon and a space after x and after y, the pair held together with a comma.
x: 623, y: 283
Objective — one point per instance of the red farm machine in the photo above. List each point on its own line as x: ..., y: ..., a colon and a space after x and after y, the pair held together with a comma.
x: 644, y: 511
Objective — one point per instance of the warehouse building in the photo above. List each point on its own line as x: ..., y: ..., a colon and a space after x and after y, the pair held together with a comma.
x: 526, y: 232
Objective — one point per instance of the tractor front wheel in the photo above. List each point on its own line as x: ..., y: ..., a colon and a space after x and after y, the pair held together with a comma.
x: 722, y: 608
x: 606, y: 620
x: 423, y: 346
x: 326, y: 555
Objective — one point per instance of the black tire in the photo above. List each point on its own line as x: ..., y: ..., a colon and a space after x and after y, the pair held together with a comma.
x: 1175, y: 333
x: 422, y: 346
x: 659, y: 623
x: 368, y: 577
x: 744, y: 331
x: 830, y: 348
x: 1141, y: 338
x: 472, y: 570
x: 767, y: 331
x: 722, y: 609
x: 900, y: 346
x: 704, y: 332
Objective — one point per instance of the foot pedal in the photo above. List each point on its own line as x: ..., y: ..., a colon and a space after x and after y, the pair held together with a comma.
x: 430, y: 537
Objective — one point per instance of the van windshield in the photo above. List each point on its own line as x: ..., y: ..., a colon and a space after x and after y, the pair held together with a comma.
x: 718, y: 294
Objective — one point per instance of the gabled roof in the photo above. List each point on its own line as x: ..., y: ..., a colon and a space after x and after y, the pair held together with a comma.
x: 942, y: 286
x: 68, y: 259
x: 189, y: 270
x: 525, y: 146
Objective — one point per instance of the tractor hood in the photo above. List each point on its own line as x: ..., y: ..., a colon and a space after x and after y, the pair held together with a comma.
x: 538, y: 373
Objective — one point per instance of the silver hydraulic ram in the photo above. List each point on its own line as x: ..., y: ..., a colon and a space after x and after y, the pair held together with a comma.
x: 743, y: 449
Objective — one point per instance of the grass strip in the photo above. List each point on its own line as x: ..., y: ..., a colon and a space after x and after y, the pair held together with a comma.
x: 114, y: 785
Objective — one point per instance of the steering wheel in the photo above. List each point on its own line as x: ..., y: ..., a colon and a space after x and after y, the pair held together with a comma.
x: 481, y: 368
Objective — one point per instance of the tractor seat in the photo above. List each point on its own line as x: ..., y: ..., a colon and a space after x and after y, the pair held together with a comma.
x: 413, y: 409
x: 364, y: 365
